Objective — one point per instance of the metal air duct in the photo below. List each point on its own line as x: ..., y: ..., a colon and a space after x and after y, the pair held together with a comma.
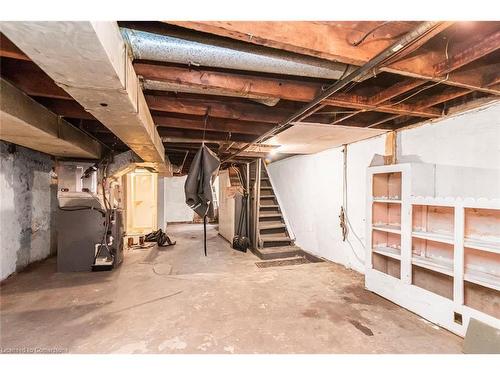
x: 213, y: 52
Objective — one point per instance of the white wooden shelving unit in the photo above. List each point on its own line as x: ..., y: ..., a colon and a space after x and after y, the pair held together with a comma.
x: 438, y: 257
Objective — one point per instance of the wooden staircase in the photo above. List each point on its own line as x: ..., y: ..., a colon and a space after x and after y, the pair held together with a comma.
x: 272, y: 240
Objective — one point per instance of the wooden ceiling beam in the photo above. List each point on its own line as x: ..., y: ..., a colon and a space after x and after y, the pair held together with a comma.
x: 65, y: 108
x: 396, y: 90
x: 448, y: 94
x: 334, y: 41
x: 279, y: 88
x: 32, y: 80
x: 9, y: 49
x: 421, y: 66
x: 328, y: 40
x: 213, y: 124
x: 492, y: 79
x: 383, y: 121
x: 237, y: 83
x: 209, y: 135
x: 386, y: 95
x: 360, y: 102
x: 475, y: 50
x: 26, y: 122
x: 216, y: 108
x: 421, y: 41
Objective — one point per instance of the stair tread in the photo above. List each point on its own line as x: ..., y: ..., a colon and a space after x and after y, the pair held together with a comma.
x: 269, y: 206
x: 274, y: 238
x: 276, y: 214
x: 267, y: 196
x: 279, y: 249
x: 272, y: 226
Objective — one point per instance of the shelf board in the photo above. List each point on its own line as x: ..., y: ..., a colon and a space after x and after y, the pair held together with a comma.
x: 388, y: 252
x: 432, y: 236
x: 387, y: 228
x: 483, y: 279
x: 386, y: 200
x: 441, y: 266
x: 491, y: 246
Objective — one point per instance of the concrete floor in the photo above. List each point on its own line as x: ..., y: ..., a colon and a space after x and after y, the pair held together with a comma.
x: 175, y: 300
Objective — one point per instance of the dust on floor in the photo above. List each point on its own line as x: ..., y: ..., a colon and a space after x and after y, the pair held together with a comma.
x: 175, y: 300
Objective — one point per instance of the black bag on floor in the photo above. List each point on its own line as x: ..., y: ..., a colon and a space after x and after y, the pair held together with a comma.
x: 160, y: 237
x: 240, y: 242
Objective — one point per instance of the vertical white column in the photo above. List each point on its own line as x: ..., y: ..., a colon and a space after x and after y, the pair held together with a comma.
x: 406, y: 214
x: 458, y: 256
x: 369, y: 221
x: 162, y: 203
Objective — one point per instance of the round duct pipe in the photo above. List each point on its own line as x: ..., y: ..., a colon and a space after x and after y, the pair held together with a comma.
x: 211, y: 52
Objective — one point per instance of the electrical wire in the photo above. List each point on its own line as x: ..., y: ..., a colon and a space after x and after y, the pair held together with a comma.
x: 427, y: 87
x: 358, y: 42
x: 416, y: 93
x: 82, y: 208
x: 345, y: 224
x: 240, y: 177
x: 107, y: 207
x: 335, y: 112
x: 400, y: 45
x: 411, y: 95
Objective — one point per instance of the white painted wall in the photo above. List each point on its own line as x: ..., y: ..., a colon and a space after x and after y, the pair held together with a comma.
x: 162, y: 204
x: 27, y: 203
x: 309, y: 187
x: 226, y: 207
x: 465, y: 149
x: 176, y: 209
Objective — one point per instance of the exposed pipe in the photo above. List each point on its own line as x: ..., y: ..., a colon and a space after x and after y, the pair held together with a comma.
x: 212, y: 52
x: 406, y: 41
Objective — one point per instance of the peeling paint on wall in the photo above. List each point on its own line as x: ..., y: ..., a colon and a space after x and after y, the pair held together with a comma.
x: 27, y: 203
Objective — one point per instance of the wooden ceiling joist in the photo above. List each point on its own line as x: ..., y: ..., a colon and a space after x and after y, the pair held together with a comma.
x: 470, y: 53
x: 396, y: 90
x: 336, y: 41
x: 32, y: 80
x: 26, y: 122
x: 328, y: 40
x: 199, y: 135
x: 212, y: 124
x: 66, y: 108
x: 216, y: 108
x: 448, y: 94
x: 386, y: 95
x: 9, y: 49
x: 279, y: 88
x: 363, y: 103
x: 406, y: 88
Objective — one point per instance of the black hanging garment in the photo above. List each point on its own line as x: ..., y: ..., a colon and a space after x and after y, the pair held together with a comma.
x: 198, y: 186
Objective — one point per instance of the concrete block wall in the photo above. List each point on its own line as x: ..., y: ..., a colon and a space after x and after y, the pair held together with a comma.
x: 27, y: 206
x: 310, y: 186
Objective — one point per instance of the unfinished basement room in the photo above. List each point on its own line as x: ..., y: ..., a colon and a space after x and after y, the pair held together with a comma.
x: 250, y: 187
